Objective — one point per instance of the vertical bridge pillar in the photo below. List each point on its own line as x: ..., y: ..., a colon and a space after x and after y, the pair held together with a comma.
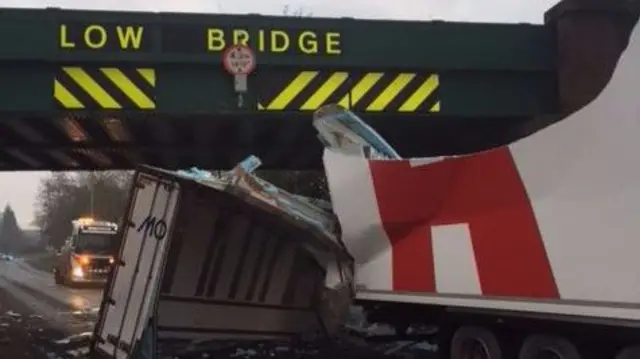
x: 590, y: 36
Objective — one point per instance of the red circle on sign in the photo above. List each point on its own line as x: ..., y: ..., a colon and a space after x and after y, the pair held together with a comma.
x: 239, y: 60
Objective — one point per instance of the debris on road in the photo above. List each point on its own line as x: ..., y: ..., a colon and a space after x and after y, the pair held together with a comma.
x: 86, y: 313
x: 24, y: 334
x: 12, y: 314
x: 320, y: 349
x: 76, y: 338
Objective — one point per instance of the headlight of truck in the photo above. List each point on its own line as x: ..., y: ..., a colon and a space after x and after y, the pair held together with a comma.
x: 84, y: 260
x: 77, y: 272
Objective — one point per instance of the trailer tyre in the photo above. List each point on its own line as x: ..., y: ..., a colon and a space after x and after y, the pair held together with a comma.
x: 629, y: 353
x: 475, y: 342
x: 545, y: 346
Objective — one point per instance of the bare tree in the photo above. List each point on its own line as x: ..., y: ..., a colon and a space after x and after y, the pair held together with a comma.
x: 297, y: 12
x: 307, y: 183
x: 311, y: 183
x: 11, y: 240
x: 63, y: 197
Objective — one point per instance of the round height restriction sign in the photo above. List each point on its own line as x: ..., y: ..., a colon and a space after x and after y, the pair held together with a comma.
x: 239, y: 60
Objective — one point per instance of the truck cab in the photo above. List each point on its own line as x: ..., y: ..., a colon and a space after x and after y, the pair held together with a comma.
x: 88, y: 253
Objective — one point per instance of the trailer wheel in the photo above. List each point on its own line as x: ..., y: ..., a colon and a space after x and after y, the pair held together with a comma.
x: 475, y: 343
x: 629, y: 353
x: 548, y: 347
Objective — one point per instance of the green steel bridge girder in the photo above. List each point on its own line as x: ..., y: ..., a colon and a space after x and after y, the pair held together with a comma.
x: 482, y: 69
x: 94, y: 89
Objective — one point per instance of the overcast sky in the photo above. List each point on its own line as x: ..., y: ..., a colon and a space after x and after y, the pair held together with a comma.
x: 19, y: 189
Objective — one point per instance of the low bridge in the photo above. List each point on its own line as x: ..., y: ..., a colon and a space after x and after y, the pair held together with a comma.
x: 108, y: 90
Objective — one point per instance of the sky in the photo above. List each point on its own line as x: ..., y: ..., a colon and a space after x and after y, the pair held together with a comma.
x: 19, y: 188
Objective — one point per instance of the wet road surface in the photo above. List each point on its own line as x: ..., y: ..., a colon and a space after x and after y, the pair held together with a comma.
x: 71, y: 310
x: 39, y: 319
x: 23, y: 335
x: 66, y: 312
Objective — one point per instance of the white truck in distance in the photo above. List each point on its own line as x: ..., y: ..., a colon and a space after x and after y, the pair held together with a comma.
x: 525, y: 251
x: 88, y: 253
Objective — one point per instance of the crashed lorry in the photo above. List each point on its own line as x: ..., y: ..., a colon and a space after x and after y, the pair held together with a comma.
x: 525, y: 251
x: 198, y: 250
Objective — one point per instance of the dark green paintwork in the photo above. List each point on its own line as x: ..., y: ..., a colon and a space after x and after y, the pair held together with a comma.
x: 486, y: 69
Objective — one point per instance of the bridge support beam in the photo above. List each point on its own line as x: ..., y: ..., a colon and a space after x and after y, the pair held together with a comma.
x: 590, y: 36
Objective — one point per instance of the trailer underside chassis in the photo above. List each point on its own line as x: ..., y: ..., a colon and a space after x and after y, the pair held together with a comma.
x: 463, y: 333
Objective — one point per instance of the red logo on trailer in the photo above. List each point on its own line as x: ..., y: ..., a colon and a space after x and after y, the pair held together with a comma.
x: 509, y: 252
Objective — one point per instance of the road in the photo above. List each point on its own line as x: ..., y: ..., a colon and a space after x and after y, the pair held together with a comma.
x: 69, y: 310
x: 73, y: 312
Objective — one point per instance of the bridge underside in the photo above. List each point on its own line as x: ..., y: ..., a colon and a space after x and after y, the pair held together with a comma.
x: 282, y: 141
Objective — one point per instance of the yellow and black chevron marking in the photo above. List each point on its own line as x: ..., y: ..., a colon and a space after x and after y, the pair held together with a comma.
x: 365, y: 92
x: 106, y: 88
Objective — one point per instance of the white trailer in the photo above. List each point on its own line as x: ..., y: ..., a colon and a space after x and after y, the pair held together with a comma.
x: 525, y: 251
